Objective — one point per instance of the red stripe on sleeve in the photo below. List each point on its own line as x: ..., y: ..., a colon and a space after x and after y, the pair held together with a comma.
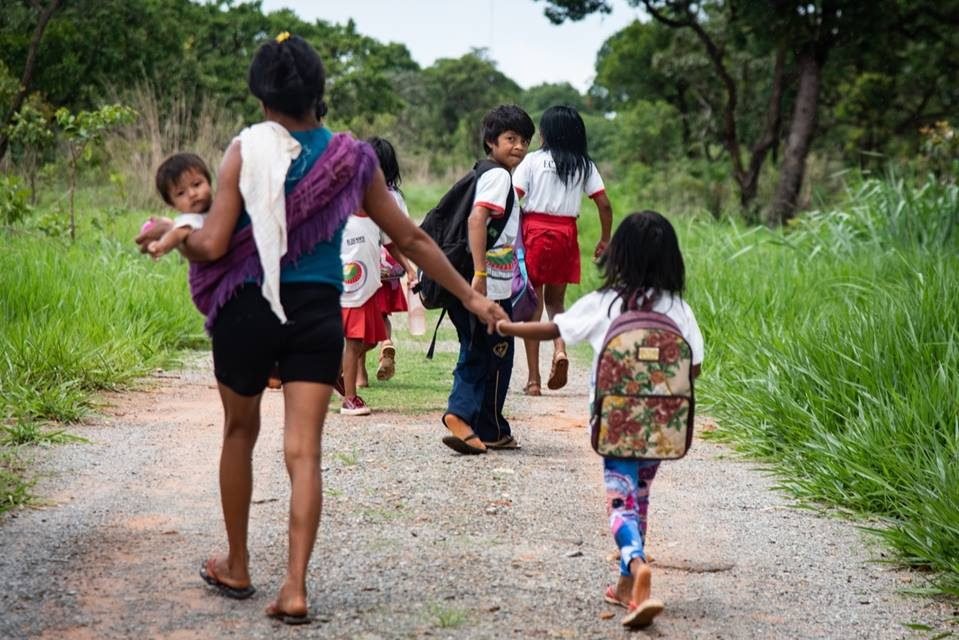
x: 598, y: 193
x: 489, y: 205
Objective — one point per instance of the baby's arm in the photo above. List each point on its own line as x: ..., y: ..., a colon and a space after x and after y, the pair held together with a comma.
x: 169, y: 241
x: 183, y: 225
x: 528, y: 330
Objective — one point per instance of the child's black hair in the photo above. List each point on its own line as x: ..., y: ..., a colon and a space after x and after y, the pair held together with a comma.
x: 170, y: 170
x: 288, y: 76
x: 506, y: 117
x: 643, y: 254
x: 388, y: 162
x: 564, y: 136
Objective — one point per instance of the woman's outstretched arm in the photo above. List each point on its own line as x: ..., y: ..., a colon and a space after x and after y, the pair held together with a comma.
x: 420, y: 248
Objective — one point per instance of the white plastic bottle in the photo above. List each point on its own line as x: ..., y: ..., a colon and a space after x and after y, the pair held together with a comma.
x: 416, y: 315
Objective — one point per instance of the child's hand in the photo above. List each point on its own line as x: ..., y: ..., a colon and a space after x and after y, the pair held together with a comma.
x: 479, y: 285
x: 152, y: 232
x: 600, y: 248
x: 157, y: 250
x: 500, y: 324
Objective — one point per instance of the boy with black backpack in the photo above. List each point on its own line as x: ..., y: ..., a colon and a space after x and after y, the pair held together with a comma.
x: 480, y: 244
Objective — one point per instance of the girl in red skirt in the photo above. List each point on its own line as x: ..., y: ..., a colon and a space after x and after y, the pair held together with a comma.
x: 553, y: 179
x: 363, y: 323
x: 390, y: 296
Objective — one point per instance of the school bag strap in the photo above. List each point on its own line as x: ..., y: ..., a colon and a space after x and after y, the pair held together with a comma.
x: 448, y: 225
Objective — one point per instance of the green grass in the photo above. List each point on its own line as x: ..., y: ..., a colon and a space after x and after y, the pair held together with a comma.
x: 831, y: 347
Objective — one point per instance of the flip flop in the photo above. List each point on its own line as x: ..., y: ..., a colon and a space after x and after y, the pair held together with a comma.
x: 532, y: 389
x: 610, y: 597
x: 462, y: 445
x: 387, y: 366
x: 287, y: 618
x: 208, y: 573
x: 557, y: 373
x: 641, y: 615
x: 506, y: 442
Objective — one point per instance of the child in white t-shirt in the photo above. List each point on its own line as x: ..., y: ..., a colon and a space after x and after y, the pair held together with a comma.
x: 363, y: 323
x: 553, y: 180
x: 183, y: 181
x: 474, y: 411
x: 642, y: 259
x: 391, y: 295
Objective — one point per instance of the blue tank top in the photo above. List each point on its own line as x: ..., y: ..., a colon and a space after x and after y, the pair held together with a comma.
x: 322, y: 264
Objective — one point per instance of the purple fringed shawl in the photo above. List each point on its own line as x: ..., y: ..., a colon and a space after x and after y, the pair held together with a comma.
x: 317, y: 207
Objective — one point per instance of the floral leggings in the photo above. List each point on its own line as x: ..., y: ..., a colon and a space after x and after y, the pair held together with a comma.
x: 627, y: 502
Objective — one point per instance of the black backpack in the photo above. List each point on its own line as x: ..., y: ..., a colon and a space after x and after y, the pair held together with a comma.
x: 447, y: 225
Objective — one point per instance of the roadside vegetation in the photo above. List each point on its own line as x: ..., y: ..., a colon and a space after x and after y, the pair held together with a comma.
x: 831, y: 328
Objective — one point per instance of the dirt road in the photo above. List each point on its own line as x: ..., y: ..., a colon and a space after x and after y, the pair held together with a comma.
x: 416, y: 541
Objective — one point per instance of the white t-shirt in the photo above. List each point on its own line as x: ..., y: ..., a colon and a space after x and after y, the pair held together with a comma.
x: 589, y: 319
x: 536, y: 178
x: 492, y: 190
x: 360, y: 251
x: 192, y: 220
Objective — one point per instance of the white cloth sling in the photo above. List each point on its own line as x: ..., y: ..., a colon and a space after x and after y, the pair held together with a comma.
x: 266, y: 151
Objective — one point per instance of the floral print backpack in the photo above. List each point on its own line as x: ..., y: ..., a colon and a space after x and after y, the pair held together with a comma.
x: 643, y: 408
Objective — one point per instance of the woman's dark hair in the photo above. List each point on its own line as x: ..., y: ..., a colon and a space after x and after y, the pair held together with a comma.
x: 564, y: 136
x: 643, y: 254
x: 388, y: 163
x: 506, y: 117
x: 288, y: 77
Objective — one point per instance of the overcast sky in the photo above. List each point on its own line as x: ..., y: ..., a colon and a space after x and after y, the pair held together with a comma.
x: 525, y: 45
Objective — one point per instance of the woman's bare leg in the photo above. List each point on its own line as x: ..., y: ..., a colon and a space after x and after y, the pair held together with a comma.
x: 306, y: 405
x: 240, y: 430
x: 532, y: 346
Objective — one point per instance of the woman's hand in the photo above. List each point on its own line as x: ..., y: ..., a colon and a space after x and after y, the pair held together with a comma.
x: 488, y: 311
x: 152, y: 231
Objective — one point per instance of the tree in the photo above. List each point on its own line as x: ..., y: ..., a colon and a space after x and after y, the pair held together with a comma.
x: 26, y: 79
x: 83, y: 130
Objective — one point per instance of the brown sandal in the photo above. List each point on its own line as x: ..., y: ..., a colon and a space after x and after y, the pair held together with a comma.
x: 532, y: 388
x: 557, y: 373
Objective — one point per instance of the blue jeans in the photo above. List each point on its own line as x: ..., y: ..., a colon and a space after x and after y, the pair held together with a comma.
x: 481, y: 377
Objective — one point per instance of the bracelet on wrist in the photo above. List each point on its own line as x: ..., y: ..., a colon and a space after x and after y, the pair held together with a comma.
x: 481, y: 274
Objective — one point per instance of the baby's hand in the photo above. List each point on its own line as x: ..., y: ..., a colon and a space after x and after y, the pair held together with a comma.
x: 157, y: 250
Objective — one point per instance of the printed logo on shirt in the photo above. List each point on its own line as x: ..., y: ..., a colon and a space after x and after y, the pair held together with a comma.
x: 354, y: 277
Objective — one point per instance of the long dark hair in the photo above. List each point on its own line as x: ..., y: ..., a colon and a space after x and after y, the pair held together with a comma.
x: 643, y: 254
x: 564, y: 136
x: 388, y: 162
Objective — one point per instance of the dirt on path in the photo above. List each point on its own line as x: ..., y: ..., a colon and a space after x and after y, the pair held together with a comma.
x: 416, y: 541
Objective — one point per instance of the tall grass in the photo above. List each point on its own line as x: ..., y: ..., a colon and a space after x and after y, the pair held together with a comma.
x: 170, y: 121
x: 76, y: 318
x: 833, y: 352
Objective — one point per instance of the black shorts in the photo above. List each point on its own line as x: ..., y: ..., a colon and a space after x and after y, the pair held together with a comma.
x: 248, y: 339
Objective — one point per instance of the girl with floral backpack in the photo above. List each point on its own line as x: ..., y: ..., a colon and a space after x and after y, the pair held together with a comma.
x: 642, y: 267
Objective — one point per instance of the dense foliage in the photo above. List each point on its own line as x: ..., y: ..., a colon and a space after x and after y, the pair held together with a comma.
x: 728, y: 100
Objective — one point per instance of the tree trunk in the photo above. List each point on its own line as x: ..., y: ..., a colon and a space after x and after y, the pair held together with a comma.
x: 801, y: 131
x: 28, y: 68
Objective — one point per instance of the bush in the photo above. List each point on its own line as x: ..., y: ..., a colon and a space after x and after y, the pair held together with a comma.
x: 14, y: 200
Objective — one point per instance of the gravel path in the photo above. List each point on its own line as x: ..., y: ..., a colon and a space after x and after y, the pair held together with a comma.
x: 416, y: 541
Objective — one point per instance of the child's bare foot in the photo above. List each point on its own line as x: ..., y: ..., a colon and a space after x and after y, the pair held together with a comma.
x: 642, y: 608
